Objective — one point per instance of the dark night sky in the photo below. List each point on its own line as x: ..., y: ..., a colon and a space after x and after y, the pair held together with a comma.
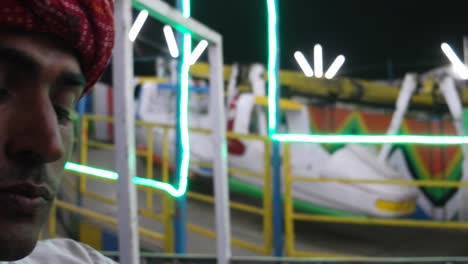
x: 373, y: 35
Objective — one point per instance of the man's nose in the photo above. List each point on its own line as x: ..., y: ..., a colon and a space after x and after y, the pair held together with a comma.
x: 35, y: 133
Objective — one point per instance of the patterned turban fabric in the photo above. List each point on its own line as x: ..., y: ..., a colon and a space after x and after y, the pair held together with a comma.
x: 85, y: 25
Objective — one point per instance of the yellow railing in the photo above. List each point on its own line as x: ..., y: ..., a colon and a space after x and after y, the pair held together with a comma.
x: 92, y: 215
x: 265, y: 211
x: 166, y: 216
x: 290, y: 216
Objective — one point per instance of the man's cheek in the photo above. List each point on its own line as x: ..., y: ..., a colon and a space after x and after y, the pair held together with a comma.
x: 55, y: 172
x: 67, y: 138
x: 56, y: 169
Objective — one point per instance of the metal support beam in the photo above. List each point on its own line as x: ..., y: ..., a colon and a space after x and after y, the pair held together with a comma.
x: 277, y: 202
x: 123, y: 72
x: 273, y: 63
x: 217, y: 110
x: 125, y: 135
x: 180, y: 216
x: 449, y: 91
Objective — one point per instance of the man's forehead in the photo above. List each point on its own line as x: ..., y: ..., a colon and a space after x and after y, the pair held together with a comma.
x: 42, y: 50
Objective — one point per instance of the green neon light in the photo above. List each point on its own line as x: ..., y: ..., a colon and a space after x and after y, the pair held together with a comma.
x: 372, y: 139
x: 183, y: 105
x: 110, y: 175
x: 272, y: 66
x: 183, y: 110
x: 183, y: 119
x: 273, y: 53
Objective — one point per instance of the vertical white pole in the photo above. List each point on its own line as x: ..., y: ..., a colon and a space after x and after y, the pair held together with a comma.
x: 410, y: 83
x: 453, y: 100
x: 465, y: 49
x: 223, y: 225
x: 232, y: 84
x: 125, y: 135
x: 464, y: 191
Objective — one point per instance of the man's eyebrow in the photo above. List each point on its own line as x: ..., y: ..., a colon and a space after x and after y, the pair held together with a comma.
x: 14, y: 56
x: 72, y: 79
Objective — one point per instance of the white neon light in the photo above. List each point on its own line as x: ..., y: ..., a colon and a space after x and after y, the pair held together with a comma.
x: 373, y: 139
x: 139, y: 22
x: 305, y: 66
x: 171, y: 41
x: 318, y: 60
x: 335, y: 67
x: 458, y: 65
x: 197, y: 52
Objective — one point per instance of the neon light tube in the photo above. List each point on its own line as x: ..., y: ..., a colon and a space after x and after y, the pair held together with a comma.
x: 197, y: 52
x: 182, y: 104
x: 183, y: 118
x: 110, y: 175
x: 458, y: 65
x: 335, y: 67
x: 186, y: 8
x: 305, y: 66
x: 272, y: 66
x: 139, y: 22
x: 372, y: 139
x: 171, y: 41
x: 318, y: 60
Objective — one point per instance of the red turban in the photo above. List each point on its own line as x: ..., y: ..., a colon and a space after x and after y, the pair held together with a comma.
x: 86, y: 25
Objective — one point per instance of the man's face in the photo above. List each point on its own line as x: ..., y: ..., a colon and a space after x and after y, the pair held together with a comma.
x: 40, y: 82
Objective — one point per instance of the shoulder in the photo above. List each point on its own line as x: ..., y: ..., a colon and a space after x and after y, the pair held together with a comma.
x: 65, y: 251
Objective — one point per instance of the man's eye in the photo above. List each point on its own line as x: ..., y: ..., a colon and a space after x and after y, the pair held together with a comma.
x: 63, y: 115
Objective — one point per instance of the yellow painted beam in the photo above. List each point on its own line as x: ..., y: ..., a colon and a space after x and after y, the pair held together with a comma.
x: 145, y: 79
x: 421, y: 183
x: 105, y: 219
x: 202, y: 71
x: 91, y: 235
x: 235, y: 242
x: 285, y: 104
x: 356, y: 90
x: 381, y: 221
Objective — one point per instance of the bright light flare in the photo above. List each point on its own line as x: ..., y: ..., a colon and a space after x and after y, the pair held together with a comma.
x: 372, y: 139
x: 197, y: 52
x: 460, y: 68
x: 318, y: 60
x: 305, y: 66
x: 110, y: 175
x: 139, y: 22
x: 335, y: 67
x: 171, y: 41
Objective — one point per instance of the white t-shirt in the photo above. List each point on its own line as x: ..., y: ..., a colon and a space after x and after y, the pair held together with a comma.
x: 63, y: 251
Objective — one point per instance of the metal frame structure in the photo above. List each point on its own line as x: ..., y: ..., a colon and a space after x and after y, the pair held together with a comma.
x: 125, y: 136
x: 277, y: 138
x: 167, y: 214
x: 273, y: 104
x: 124, y: 122
x: 291, y: 214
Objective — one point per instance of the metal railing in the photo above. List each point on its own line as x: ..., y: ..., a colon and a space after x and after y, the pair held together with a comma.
x: 210, y: 259
x: 166, y: 216
x: 290, y: 215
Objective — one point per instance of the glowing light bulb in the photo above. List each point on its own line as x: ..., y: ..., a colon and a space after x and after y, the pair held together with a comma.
x: 305, y: 66
x: 171, y: 41
x: 139, y: 22
x: 335, y: 67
